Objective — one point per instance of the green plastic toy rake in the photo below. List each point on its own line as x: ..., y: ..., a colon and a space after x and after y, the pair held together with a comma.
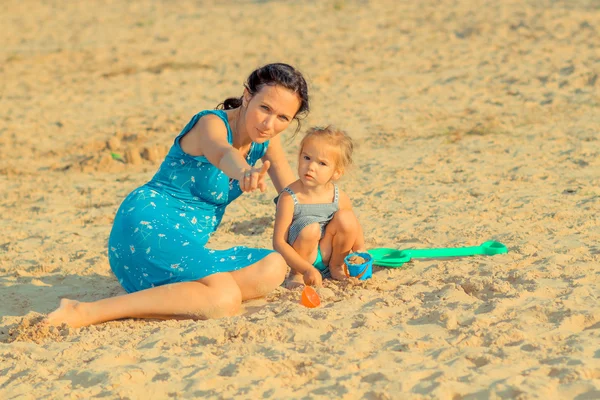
x: 395, y: 258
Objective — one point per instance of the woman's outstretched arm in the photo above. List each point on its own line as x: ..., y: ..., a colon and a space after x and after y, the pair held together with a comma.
x: 208, y: 138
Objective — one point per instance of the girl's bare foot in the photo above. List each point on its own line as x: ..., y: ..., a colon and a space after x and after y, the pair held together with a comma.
x: 338, y: 273
x: 69, y: 312
x: 293, y: 281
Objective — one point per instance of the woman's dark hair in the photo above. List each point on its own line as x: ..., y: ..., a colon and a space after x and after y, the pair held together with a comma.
x: 277, y: 74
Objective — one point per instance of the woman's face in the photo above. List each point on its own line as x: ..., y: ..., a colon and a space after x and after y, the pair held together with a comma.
x: 269, y: 112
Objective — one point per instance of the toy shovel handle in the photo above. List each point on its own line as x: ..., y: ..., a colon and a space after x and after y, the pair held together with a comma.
x: 488, y: 248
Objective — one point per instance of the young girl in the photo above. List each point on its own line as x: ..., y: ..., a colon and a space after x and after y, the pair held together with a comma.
x: 315, y: 227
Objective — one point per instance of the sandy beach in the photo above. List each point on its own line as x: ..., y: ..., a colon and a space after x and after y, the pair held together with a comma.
x: 474, y: 121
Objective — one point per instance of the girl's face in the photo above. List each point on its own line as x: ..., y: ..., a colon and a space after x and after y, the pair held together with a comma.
x: 318, y: 163
x: 269, y: 112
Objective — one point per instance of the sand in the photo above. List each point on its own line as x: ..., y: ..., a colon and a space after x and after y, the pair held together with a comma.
x: 474, y: 120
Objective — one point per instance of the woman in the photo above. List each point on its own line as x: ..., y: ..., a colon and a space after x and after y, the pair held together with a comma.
x: 157, y: 244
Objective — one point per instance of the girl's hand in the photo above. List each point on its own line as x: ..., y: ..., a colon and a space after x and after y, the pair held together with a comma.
x: 313, y: 277
x: 254, y: 178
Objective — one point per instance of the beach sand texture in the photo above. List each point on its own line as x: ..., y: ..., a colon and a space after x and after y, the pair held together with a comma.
x: 474, y: 121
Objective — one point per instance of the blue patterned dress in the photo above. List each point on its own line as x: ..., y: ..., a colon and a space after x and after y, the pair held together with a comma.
x: 161, y: 229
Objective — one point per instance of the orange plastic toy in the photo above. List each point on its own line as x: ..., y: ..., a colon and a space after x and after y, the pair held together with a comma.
x: 310, y: 298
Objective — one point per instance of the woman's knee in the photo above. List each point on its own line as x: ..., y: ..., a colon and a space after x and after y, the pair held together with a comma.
x: 221, y: 298
x: 270, y: 273
x: 274, y: 269
x: 225, y: 303
x: 261, y: 278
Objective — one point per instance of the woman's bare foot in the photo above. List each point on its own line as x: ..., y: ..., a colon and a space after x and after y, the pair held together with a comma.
x: 69, y: 312
x: 293, y: 281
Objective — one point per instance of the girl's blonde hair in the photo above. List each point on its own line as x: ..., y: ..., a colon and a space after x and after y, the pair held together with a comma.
x: 335, y: 137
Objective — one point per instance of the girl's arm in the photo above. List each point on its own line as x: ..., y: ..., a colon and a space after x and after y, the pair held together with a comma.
x: 281, y: 173
x: 344, y: 201
x: 346, y: 204
x: 283, y: 221
x: 208, y: 138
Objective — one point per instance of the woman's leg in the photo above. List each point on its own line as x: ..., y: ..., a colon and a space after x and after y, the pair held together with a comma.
x: 215, y: 296
x: 342, y: 235
x: 262, y: 277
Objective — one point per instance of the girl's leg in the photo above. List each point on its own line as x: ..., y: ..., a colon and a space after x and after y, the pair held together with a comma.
x: 359, y: 244
x: 215, y: 296
x: 306, y: 246
x: 307, y: 242
x: 342, y: 235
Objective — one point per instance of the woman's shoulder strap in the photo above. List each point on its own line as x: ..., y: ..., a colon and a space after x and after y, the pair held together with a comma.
x: 219, y: 113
